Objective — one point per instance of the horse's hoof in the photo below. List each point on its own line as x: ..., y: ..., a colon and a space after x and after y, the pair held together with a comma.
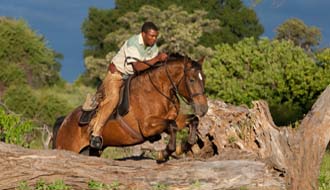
x: 178, y: 149
x: 96, y: 142
x: 160, y: 156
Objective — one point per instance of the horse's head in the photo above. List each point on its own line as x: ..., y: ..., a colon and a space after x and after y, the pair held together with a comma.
x: 192, y: 86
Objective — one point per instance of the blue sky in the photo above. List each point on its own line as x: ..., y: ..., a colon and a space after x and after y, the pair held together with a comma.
x: 272, y: 13
x: 60, y: 22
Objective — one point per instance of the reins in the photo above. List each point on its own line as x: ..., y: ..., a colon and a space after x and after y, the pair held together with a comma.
x: 154, y: 85
x: 174, y: 87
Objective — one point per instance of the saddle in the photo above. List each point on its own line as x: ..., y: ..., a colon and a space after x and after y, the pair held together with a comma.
x: 90, y: 107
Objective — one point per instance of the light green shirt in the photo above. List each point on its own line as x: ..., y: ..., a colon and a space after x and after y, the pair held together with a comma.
x: 133, y: 47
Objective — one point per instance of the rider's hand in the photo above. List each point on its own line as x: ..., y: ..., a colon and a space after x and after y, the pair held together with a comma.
x: 162, y: 56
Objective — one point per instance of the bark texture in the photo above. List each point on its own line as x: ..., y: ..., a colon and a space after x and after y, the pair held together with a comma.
x: 295, y: 154
x: 238, y: 148
x: 18, y: 164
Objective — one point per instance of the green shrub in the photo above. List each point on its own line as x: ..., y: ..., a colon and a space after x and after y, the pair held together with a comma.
x: 43, y: 185
x: 11, y: 74
x: 24, y: 48
x: 276, y: 71
x: 34, y: 104
x: 21, y: 99
x: 94, y: 185
x: 324, y: 178
x: 13, y: 129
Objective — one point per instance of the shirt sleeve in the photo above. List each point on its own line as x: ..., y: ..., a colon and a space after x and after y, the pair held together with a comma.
x: 155, y: 52
x: 132, y: 54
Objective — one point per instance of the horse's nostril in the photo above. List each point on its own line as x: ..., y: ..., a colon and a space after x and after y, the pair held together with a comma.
x: 201, y: 110
x: 204, y: 110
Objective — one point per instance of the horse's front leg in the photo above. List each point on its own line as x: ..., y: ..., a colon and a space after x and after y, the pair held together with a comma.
x: 190, y: 121
x: 193, y: 124
x: 171, y: 146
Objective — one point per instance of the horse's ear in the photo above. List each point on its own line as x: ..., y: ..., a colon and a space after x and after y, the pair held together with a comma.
x: 201, y: 60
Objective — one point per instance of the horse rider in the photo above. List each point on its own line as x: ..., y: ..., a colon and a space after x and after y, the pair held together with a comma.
x: 138, y: 53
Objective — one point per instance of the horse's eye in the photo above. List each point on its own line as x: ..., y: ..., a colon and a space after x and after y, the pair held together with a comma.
x: 192, y: 80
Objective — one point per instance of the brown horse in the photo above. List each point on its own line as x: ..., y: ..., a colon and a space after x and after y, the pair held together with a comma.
x: 154, y: 108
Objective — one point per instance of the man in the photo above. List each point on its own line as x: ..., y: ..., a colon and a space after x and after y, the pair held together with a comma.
x: 137, y: 54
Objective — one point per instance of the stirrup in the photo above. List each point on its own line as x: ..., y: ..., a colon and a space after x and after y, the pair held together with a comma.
x: 96, y: 142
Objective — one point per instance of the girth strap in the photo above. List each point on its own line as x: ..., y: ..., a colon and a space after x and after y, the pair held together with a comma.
x: 129, y: 129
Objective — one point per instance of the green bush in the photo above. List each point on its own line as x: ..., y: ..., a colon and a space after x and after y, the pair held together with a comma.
x: 13, y: 129
x: 94, y: 185
x: 324, y: 178
x: 276, y: 71
x: 34, y: 104
x: 21, y: 99
x: 11, y: 74
x: 42, y: 185
x: 28, y: 51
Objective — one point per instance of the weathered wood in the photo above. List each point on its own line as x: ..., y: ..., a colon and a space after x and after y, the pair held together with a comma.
x: 238, y: 147
x: 19, y: 164
x: 296, y: 154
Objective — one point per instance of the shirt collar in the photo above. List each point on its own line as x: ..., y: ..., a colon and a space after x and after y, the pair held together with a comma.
x: 141, y: 42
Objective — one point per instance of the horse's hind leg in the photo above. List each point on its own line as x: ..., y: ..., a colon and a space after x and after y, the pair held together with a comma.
x: 56, y: 127
x: 171, y: 146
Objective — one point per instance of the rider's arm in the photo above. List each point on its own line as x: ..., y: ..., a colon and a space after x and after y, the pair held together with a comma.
x: 140, y: 66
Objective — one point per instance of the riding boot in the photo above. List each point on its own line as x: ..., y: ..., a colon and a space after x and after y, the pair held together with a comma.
x: 96, y: 142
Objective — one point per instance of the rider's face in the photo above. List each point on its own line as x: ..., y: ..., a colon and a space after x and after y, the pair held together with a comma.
x: 149, y: 37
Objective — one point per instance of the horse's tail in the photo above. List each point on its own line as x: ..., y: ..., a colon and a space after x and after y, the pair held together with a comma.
x: 56, y: 127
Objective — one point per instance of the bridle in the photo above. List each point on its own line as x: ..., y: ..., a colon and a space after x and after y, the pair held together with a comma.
x: 192, y: 95
x: 175, y: 87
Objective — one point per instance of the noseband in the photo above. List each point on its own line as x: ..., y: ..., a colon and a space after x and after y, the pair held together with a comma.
x: 192, y: 95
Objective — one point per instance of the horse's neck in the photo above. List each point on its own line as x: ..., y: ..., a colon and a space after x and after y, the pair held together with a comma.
x: 174, y: 72
x: 162, y: 77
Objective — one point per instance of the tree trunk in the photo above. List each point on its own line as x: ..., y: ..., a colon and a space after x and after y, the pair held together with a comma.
x: 238, y: 148
x: 295, y: 154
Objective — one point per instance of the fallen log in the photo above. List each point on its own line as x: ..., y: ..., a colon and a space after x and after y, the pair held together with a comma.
x: 238, y: 148
x: 19, y: 164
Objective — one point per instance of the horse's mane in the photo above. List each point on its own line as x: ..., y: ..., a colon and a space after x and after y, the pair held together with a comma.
x: 172, y: 57
x: 176, y: 56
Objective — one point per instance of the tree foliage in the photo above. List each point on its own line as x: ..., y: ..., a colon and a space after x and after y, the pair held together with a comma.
x: 179, y: 33
x: 11, y: 74
x: 13, y: 129
x: 323, y: 57
x: 95, y: 27
x: 180, y: 30
x: 235, y: 22
x: 299, y: 33
x: 276, y: 71
x: 35, y: 104
x: 26, y: 52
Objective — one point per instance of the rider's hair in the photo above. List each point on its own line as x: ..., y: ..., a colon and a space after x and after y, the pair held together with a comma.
x: 148, y: 26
